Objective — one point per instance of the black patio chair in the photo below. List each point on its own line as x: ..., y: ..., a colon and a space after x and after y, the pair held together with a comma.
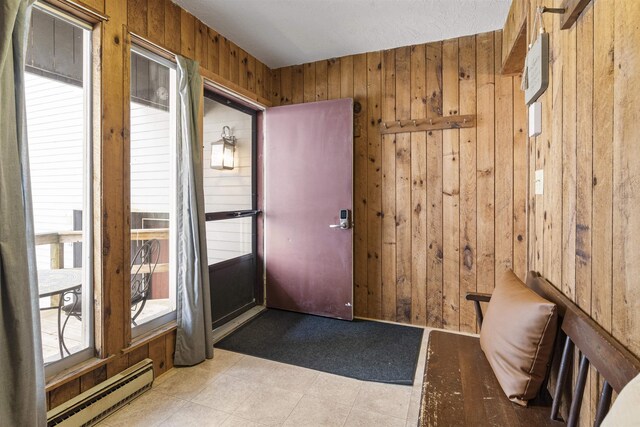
x: 143, y: 265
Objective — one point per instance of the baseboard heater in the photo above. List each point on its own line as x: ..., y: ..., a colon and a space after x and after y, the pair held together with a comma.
x: 98, y: 402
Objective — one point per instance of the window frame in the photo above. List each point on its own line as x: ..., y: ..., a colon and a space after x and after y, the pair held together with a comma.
x: 88, y: 323
x: 144, y: 328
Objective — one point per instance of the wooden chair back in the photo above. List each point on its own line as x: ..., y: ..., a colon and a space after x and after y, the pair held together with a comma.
x: 617, y: 365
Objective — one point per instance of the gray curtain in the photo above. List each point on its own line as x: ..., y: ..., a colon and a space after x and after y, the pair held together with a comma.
x: 22, y: 395
x: 194, y: 341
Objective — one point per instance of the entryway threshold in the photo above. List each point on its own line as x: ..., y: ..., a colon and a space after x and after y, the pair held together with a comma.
x: 222, y: 331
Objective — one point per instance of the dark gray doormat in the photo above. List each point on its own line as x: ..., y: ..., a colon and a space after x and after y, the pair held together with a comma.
x: 361, y: 349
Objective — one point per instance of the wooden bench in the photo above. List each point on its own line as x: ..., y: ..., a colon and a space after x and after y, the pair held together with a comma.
x: 460, y: 389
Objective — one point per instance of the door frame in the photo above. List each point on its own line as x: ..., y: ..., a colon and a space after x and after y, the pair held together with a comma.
x: 210, y: 92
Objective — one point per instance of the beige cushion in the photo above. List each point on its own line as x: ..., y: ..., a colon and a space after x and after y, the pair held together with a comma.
x: 625, y: 411
x: 517, y: 337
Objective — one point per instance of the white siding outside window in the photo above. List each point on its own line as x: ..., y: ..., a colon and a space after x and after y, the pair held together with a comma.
x: 227, y: 190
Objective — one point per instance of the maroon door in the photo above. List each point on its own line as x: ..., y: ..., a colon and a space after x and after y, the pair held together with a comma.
x: 308, y: 167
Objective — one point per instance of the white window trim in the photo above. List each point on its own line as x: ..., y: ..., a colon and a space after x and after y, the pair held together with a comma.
x: 143, y: 328
x: 55, y: 367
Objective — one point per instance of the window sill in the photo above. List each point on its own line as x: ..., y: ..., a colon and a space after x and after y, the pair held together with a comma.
x: 145, y: 338
x: 75, y: 372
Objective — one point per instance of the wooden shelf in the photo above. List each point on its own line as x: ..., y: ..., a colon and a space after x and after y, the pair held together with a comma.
x: 421, y: 125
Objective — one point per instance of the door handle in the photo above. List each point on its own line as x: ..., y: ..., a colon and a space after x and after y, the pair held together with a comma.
x: 345, y: 220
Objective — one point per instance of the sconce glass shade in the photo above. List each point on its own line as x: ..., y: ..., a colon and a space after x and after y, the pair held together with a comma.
x: 223, y: 152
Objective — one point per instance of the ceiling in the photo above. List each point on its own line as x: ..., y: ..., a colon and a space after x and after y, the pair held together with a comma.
x: 288, y: 32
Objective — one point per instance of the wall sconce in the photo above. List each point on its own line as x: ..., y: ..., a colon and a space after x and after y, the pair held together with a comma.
x: 223, y: 151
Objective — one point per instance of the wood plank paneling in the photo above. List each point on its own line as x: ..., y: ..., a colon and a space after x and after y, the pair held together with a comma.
x: 419, y: 208
x: 388, y: 261
x: 434, y: 188
x: 63, y: 393
x: 201, y: 43
x: 309, y: 82
x: 569, y: 135
x: 333, y: 78
x: 403, y: 188
x: 626, y: 176
x: 450, y: 189
x: 243, y: 68
x: 520, y: 181
x: 374, y: 183
x: 485, y: 181
x: 213, y: 51
x: 321, y: 81
x: 234, y: 63
x: 359, y: 78
x: 158, y: 353
x: 286, y: 88
x: 137, y: 18
x: 172, y: 24
x: 187, y: 34
x: 156, y: 21
x: 93, y: 378
x: 225, y: 57
x: 602, y: 214
x: 468, y: 164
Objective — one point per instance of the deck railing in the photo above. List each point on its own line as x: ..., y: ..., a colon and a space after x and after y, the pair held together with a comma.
x: 57, y: 240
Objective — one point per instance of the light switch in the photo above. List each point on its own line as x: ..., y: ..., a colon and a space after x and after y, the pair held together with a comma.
x: 539, y: 181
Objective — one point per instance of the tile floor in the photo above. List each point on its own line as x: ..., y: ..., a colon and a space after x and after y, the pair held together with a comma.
x: 238, y: 390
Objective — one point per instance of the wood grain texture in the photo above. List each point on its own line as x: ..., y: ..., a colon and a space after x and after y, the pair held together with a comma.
x: 450, y: 189
x: 468, y: 164
x: 520, y: 181
x: 389, y: 190
x: 137, y: 18
x: 201, y: 43
x: 626, y: 176
x: 321, y: 81
x: 156, y: 21
x: 187, y: 34
x: 434, y: 188
x: 234, y: 63
x: 485, y: 64
x: 358, y: 74
x: 64, y: 392
x: 213, y: 51
x: 403, y: 188
x: 172, y: 26
x: 602, y: 214
x: 333, y: 78
x: 374, y: 181
x: 459, y: 388
x: 504, y: 169
x: 569, y: 165
x: 419, y: 185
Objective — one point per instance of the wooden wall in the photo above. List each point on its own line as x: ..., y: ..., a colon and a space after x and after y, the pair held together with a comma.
x: 162, y: 23
x: 436, y: 213
x: 584, y: 231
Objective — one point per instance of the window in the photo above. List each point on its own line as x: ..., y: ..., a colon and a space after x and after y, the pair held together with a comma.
x: 153, y: 182
x: 58, y: 103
